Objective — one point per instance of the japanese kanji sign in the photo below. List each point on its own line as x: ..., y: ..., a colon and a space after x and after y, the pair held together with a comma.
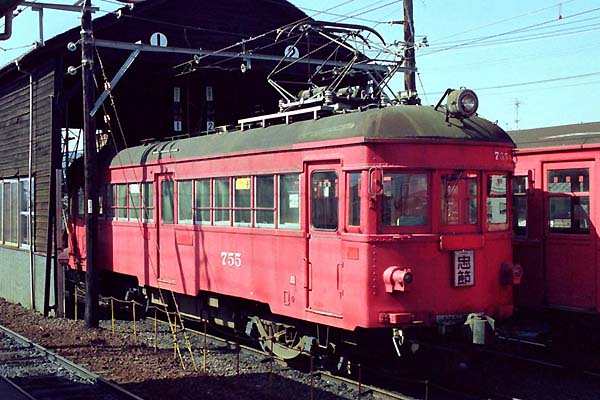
x: 464, y: 268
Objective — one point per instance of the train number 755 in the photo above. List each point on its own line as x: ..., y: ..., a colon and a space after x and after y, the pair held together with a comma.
x: 502, y: 155
x: 229, y: 259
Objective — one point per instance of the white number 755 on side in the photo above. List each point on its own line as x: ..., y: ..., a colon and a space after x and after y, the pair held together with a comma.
x: 230, y: 259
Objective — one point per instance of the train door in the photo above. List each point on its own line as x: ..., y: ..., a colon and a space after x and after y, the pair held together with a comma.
x: 324, y: 242
x: 570, y: 240
x: 166, y: 257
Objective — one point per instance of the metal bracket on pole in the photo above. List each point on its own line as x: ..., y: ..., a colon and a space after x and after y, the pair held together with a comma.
x: 228, y: 54
x: 115, y: 80
x: 63, y: 7
x: 39, y: 7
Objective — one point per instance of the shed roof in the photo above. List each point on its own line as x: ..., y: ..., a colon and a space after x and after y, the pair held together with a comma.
x: 398, y: 122
x: 190, y: 23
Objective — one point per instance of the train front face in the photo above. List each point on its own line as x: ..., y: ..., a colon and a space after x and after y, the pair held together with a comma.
x: 437, y: 235
x: 441, y: 252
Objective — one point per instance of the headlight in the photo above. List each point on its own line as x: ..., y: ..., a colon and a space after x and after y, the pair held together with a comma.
x: 462, y: 103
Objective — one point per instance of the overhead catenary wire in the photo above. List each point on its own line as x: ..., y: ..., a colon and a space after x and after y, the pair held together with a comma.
x: 509, y: 19
x: 530, y: 83
x: 536, y: 36
x: 470, y: 42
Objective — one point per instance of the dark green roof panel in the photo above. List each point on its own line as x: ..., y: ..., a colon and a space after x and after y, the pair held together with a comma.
x: 401, y: 122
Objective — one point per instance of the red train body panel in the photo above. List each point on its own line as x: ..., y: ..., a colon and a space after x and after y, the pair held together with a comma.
x: 557, y: 214
x: 356, y: 220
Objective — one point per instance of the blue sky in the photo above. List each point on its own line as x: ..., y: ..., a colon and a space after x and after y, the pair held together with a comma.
x: 543, y: 55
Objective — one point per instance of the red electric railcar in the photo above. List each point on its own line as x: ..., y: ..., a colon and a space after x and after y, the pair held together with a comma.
x: 556, y: 216
x: 383, y: 219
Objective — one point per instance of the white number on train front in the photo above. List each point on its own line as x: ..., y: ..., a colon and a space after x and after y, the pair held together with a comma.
x: 229, y: 259
x: 501, y: 155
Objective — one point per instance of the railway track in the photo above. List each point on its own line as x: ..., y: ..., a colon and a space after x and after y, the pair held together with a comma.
x: 30, y: 371
x: 358, y: 386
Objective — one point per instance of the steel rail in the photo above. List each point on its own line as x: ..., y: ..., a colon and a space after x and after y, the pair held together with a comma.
x: 76, y: 369
x: 378, y: 393
x: 364, y: 389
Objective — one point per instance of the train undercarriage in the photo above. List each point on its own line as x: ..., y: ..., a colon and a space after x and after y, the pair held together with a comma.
x: 287, y: 338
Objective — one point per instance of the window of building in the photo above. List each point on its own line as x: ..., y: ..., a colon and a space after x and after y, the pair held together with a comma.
x: 520, y: 205
x: 459, y: 198
x: 222, y: 206
x: 405, y: 200
x: 242, y: 201
x: 202, y: 201
x: 184, y: 202
x: 167, y: 209
x: 324, y: 200
x: 15, y: 220
x: 264, y: 200
x: 1, y: 213
x: 10, y: 208
x: 24, y: 220
x: 569, y: 201
x: 496, y: 203
x: 289, y: 201
x: 354, y: 199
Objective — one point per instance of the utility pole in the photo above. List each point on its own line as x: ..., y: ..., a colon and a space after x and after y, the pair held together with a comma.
x: 409, y: 53
x: 90, y: 170
x: 517, y: 120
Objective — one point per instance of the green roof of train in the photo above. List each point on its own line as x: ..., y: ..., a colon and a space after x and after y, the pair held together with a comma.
x: 398, y: 122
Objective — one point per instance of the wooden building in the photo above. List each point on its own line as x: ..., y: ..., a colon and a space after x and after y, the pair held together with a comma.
x: 163, y: 93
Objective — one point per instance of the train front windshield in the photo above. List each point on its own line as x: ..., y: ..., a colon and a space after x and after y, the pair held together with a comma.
x: 466, y: 198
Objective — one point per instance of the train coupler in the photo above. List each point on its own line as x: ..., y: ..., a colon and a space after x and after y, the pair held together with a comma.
x: 481, y: 327
x: 397, y: 339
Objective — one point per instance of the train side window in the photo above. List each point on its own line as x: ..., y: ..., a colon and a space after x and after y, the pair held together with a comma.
x: 289, y: 201
x: 264, y: 200
x: 569, y: 201
x: 121, y: 202
x: 135, y: 205
x: 520, y: 205
x: 101, y: 203
x: 202, y: 202
x: 221, y: 205
x: 148, y: 202
x: 109, y: 202
x: 459, y: 198
x: 405, y: 200
x: 184, y: 202
x: 354, y: 199
x: 242, y: 201
x: 324, y: 200
x: 167, y: 202
x: 496, y: 202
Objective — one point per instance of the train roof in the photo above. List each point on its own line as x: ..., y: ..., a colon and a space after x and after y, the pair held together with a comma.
x: 396, y: 122
x: 557, y: 136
